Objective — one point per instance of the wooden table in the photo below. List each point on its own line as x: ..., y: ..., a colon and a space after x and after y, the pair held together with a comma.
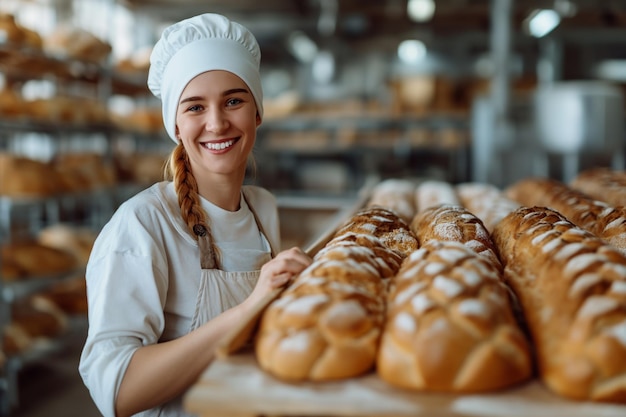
x: 235, y: 386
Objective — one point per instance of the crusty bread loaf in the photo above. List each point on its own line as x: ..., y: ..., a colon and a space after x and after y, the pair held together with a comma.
x: 485, y: 201
x: 450, y: 326
x: 396, y: 195
x: 21, y: 260
x: 572, y: 288
x: 384, y: 224
x: 603, y: 184
x: 455, y: 223
x: 326, y: 325
x: 77, y: 241
x: 431, y: 193
x: 597, y: 217
x: 25, y: 177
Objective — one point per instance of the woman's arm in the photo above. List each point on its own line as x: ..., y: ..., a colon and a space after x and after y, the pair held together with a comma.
x: 158, y: 373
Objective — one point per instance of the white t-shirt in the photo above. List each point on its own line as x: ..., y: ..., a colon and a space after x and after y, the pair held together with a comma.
x: 144, y: 274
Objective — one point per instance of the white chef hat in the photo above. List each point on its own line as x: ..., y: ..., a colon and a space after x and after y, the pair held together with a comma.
x: 196, y: 45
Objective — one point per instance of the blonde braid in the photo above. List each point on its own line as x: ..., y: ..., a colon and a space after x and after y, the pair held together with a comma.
x: 178, y: 169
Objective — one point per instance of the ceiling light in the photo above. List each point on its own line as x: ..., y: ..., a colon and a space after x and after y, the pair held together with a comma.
x: 323, y: 67
x: 301, y: 46
x: 411, y: 51
x: 542, y: 22
x: 420, y: 10
x: 612, y: 69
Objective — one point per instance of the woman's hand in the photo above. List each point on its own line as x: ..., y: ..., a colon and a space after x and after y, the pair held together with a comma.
x: 279, y: 271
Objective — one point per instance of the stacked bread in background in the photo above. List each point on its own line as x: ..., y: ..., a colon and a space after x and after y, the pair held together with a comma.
x: 498, y: 289
x: 59, y: 251
x: 75, y: 172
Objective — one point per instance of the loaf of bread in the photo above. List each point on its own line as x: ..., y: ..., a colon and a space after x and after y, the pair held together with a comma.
x: 603, y: 184
x: 77, y: 241
x: 381, y: 223
x: 397, y: 195
x: 33, y: 321
x: 24, y: 260
x: 572, y: 289
x: 597, y: 217
x: 485, y: 201
x: 326, y: 325
x: 431, y: 193
x: 22, y: 177
x: 455, y: 223
x: 450, y: 326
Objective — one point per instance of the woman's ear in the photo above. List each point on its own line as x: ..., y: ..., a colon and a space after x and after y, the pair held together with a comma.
x: 258, y: 119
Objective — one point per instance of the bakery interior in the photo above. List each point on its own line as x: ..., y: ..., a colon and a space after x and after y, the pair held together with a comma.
x: 355, y: 93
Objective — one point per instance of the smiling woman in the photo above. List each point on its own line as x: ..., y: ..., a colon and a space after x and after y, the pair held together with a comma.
x: 182, y: 261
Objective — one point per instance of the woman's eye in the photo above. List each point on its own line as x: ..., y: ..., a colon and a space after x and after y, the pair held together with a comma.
x: 233, y: 101
x: 194, y: 108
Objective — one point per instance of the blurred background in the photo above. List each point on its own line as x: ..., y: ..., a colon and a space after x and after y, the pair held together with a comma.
x: 355, y: 92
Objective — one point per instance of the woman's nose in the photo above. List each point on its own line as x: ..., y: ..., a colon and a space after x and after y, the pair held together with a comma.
x: 216, y: 121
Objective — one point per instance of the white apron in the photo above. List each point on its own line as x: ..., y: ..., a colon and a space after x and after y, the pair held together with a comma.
x: 219, y: 291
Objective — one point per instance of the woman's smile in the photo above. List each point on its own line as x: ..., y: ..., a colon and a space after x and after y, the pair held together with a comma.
x: 219, y: 146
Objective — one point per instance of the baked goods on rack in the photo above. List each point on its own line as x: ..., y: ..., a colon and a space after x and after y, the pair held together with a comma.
x: 33, y: 321
x: 604, y: 184
x: 25, y: 260
x: 486, y: 201
x: 572, y: 288
x: 326, y: 325
x: 451, y: 323
x: 24, y: 177
x: 597, y: 217
x: 75, y: 240
x: 431, y: 193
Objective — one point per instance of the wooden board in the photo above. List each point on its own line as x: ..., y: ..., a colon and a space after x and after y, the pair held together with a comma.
x: 236, y: 386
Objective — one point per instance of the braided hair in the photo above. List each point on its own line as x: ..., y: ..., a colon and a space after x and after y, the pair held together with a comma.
x: 178, y: 169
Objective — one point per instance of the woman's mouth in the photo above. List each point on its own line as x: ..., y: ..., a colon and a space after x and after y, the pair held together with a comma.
x: 219, y: 146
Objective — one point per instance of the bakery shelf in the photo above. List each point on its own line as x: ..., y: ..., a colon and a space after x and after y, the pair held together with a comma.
x: 25, y: 125
x: 21, y: 63
x: 16, y: 290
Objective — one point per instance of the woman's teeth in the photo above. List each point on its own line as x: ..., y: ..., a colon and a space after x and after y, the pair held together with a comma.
x: 219, y: 146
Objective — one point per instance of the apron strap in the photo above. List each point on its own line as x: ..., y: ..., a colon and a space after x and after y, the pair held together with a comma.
x: 258, y: 223
x: 207, y: 250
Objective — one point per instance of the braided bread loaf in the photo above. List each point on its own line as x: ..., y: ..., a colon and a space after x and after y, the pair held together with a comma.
x: 327, y: 324
x: 603, y: 184
x: 572, y: 288
x: 597, y: 217
x: 450, y: 326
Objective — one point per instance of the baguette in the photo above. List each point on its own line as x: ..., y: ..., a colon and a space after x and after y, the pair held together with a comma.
x: 396, y: 195
x: 486, y: 201
x: 572, y: 289
x: 597, y: 217
x: 431, y: 193
x: 603, y: 184
x: 450, y: 326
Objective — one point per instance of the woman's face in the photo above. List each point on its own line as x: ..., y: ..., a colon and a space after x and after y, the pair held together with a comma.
x: 216, y: 121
